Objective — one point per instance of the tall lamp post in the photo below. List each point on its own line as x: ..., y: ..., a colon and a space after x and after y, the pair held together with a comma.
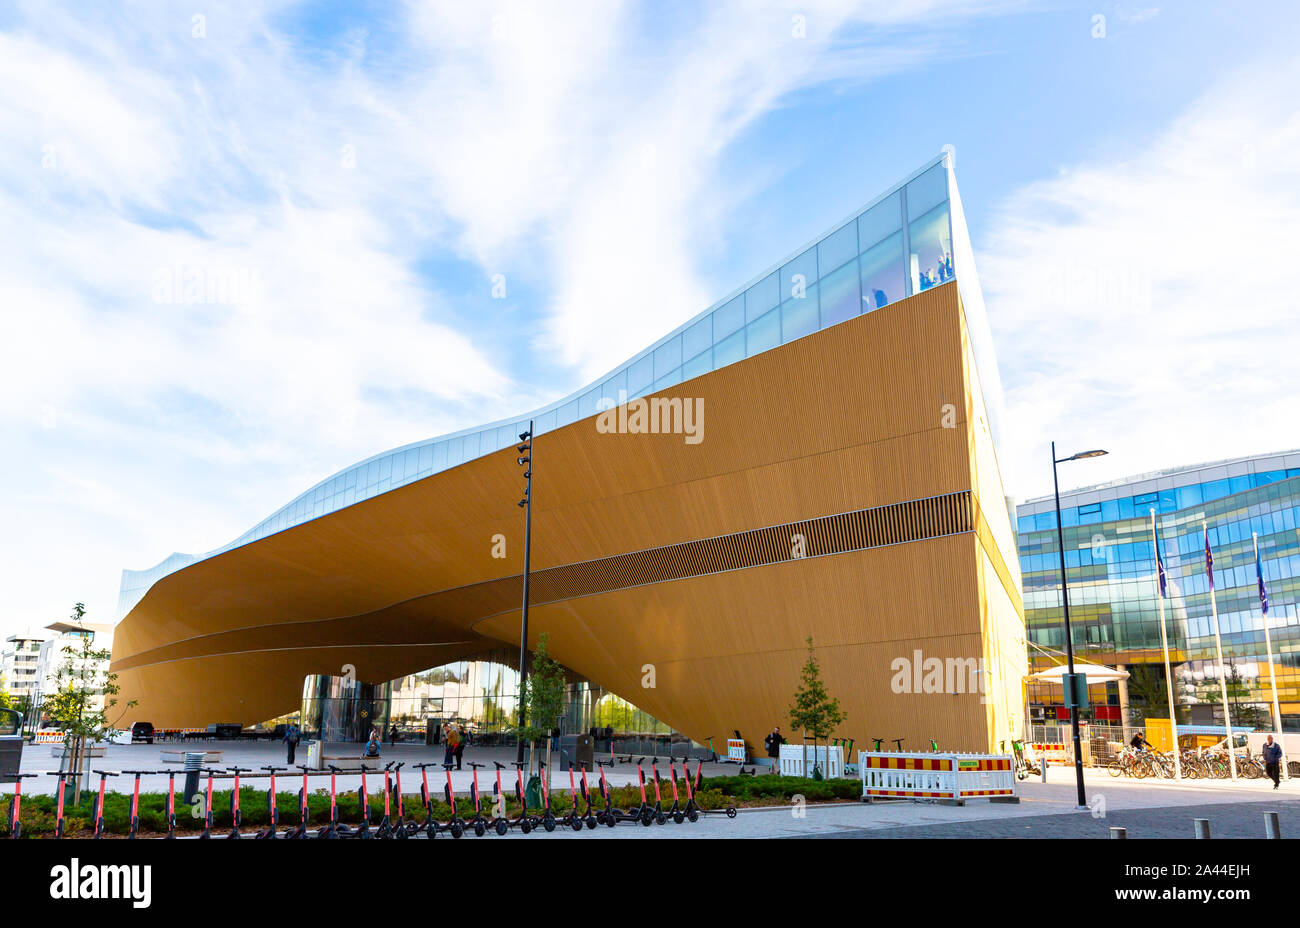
x: 1069, y: 681
x: 525, y: 460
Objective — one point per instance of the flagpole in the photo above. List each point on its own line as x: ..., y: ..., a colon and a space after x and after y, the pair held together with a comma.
x: 1218, y: 647
x: 1272, y: 672
x: 1164, y: 645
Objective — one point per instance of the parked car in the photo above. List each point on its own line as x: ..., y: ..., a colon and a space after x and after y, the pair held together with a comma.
x: 142, y: 731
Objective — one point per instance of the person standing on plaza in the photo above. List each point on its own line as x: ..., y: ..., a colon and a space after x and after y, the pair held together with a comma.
x: 773, y: 743
x: 291, y: 738
x: 460, y: 746
x: 452, y: 742
x: 1273, y: 761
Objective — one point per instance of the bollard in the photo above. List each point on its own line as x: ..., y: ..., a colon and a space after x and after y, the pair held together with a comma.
x: 1042, y: 768
x: 1118, y: 832
x: 1272, y: 828
x: 1202, y: 827
x: 193, y: 767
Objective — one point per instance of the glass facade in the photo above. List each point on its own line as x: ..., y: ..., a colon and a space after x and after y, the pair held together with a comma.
x: 1110, y: 566
x: 479, y: 693
x: 900, y: 244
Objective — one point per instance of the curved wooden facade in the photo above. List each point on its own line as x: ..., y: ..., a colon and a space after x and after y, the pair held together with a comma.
x: 869, y: 439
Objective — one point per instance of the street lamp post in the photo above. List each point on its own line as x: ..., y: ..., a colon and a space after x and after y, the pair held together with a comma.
x: 525, y: 460
x: 1072, y: 700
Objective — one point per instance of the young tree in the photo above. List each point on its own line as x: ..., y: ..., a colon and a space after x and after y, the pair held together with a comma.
x: 543, y: 698
x: 80, y: 680
x: 814, y: 709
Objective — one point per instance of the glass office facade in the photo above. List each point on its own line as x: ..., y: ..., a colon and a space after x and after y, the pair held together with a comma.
x: 1110, y: 567
x: 900, y: 244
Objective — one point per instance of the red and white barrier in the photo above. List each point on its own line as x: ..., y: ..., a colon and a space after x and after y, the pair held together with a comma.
x: 952, y: 777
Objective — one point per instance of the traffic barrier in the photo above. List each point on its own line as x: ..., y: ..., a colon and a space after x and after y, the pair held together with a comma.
x: 48, y: 737
x: 792, y: 760
x: 950, y: 777
x: 1054, y: 752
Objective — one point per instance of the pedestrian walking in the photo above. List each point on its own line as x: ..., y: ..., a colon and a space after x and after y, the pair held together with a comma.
x: 392, y: 733
x: 1273, y: 761
x: 291, y: 738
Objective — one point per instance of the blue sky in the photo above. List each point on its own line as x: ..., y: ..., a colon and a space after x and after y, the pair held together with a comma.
x: 364, y: 173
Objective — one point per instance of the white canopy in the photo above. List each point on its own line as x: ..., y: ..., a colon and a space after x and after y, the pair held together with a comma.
x: 1095, y: 673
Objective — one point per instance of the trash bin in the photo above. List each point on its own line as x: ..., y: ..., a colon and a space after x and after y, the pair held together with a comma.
x: 11, y: 744
x: 193, y: 768
x: 315, y: 758
x: 577, y: 750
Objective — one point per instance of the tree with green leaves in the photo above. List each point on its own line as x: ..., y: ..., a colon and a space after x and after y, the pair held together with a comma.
x: 84, y: 693
x: 814, y: 711
x: 543, y: 698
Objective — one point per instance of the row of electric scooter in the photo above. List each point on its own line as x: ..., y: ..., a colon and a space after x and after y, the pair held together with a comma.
x: 398, y: 825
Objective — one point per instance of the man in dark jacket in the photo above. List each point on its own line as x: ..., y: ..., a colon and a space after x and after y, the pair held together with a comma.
x: 1273, y: 761
x: 291, y: 739
x: 773, y: 744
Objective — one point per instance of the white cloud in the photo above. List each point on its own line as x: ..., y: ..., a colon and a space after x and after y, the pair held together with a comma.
x: 1148, y: 307
x: 579, y: 138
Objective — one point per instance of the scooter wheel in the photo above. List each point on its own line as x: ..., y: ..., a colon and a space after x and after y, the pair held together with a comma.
x: 525, y: 827
x: 647, y: 817
x: 549, y: 822
x: 678, y: 818
x: 591, y: 822
x: 731, y: 812
x: 575, y: 824
x: 456, y: 829
x: 660, y: 818
x: 693, y: 815
x: 502, y: 826
x: 613, y: 818
x: 479, y: 829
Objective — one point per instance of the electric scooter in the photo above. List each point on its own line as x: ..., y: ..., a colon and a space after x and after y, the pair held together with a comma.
x: 642, y: 813
x: 658, y: 813
x: 501, y: 823
x: 454, y: 824
x: 478, y: 822
x: 525, y: 823
x: 429, y: 826
x: 135, y: 803
x: 692, y: 805
x: 574, y: 818
x: 385, y: 829
x: 272, y: 809
x: 207, y: 808
x: 588, y: 817
x: 236, y: 817
x: 332, y: 829
x: 15, y: 806
x: 677, y: 813
x: 402, y: 828
x: 99, y: 801
x: 300, y: 833
x: 609, y: 815
x: 169, y: 813
x: 363, y: 796
x: 548, y: 817
x: 58, y: 809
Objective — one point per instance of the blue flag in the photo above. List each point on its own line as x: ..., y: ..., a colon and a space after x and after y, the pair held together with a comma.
x: 1209, y: 559
x: 1263, y: 590
x: 1160, y: 568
